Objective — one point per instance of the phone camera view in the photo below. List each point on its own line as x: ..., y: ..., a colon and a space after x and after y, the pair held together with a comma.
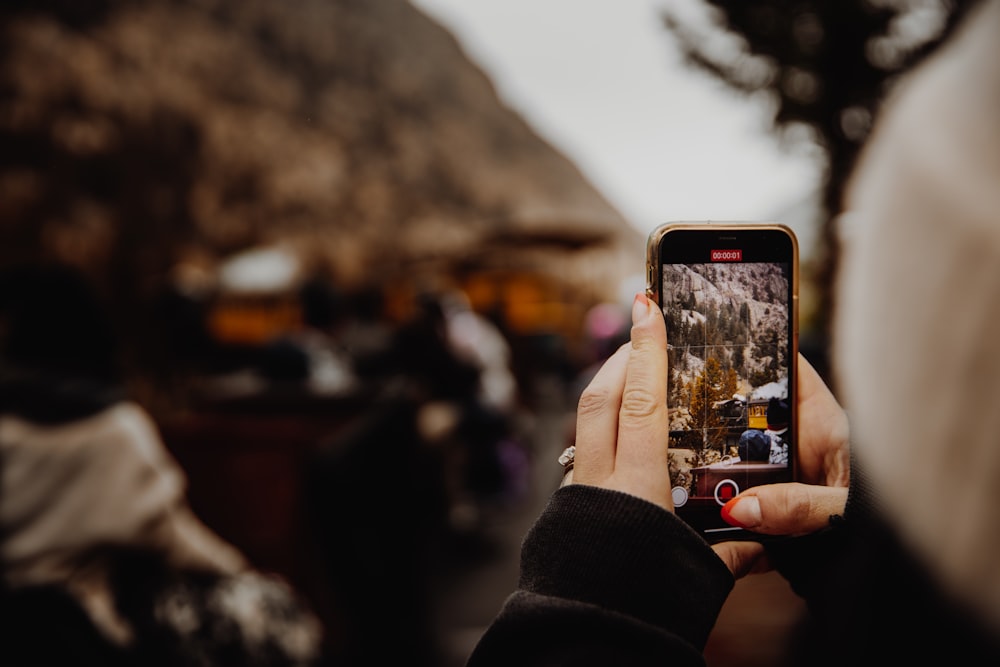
x: 728, y: 391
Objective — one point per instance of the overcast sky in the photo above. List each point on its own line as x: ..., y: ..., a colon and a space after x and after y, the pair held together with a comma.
x: 602, y: 81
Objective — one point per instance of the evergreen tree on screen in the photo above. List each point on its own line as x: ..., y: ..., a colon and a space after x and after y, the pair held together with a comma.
x: 709, y: 388
x: 730, y: 384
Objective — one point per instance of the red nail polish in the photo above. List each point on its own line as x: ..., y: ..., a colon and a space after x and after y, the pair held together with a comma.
x: 640, y: 306
x: 728, y: 517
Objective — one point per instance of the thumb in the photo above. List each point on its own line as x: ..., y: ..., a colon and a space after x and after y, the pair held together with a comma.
x: 785, y: 509
x: 742, y: 557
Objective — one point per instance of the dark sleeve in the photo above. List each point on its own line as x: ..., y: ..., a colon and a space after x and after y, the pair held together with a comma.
x: 608, y: 578
x: 871, y: 598
x: 807, y: 561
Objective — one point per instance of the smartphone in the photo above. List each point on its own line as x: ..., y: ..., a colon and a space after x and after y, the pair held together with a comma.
x: 729, y: 296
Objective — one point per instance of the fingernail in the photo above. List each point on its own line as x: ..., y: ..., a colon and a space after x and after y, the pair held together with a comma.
x: 743, y: 512
x: 640, y: 308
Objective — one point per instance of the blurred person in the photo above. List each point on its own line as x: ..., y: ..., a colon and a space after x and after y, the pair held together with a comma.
x: 310, y: 357
x: 375, y: 501
x: 754, y: 445
x: 892, y: 535
x: 496, y: 467
x: 422, y: 352
x: 102, y: 560
x: 366, y: 334
x: 917, y: 323
x: 477, y: 340
x: 461, y: 417
x: 425, y: 446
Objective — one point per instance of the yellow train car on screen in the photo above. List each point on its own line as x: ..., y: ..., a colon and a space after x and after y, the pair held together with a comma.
x: 757, y: 414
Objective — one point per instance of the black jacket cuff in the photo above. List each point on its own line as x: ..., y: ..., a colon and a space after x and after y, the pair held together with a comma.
x: 626, y: 555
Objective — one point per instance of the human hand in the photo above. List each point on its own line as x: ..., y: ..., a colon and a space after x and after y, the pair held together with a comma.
x: 626, y: 402
x: 824, y: 434
x: 801, y: 507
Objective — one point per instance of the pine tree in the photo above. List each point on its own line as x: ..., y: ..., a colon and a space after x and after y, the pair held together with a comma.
x: 708, y: 390
x: 730, y: 383
x: 739, y: 357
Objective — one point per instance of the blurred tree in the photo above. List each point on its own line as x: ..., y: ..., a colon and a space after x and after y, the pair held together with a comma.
x: 824, y: 65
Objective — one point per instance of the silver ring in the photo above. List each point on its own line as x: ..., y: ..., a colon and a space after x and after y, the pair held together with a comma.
x: 568, y: 458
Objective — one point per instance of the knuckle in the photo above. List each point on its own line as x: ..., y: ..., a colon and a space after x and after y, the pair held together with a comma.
x: 638, y: 403
x: 641, y: 339
x: 593, y: 400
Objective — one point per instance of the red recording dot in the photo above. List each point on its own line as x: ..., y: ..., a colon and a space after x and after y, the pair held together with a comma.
x: 725, y: 491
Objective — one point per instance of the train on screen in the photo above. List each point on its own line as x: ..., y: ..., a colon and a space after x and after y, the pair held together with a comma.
x: 712, y: 484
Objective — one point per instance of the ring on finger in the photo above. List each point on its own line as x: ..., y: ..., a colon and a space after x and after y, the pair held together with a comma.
x: 568, y: 458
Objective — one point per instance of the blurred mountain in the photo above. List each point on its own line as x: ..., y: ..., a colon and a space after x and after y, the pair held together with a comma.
x: 138, y: 135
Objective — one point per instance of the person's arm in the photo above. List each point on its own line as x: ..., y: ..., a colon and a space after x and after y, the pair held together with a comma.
x: 608, y: 578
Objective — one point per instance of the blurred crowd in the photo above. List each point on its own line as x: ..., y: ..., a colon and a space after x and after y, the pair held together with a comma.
x: 454, y: 368
x: 101, y: 548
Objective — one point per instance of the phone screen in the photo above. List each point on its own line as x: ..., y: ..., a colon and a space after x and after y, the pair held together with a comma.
x: 728, y: 297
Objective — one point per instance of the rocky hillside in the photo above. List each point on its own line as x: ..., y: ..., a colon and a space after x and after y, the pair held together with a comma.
x: 736, y: 313
x: 141, y: 133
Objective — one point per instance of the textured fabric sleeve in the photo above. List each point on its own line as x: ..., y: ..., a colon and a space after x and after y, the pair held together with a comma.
x: 806, y: 561
x: 861, y: 496
x: 608, y: 578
